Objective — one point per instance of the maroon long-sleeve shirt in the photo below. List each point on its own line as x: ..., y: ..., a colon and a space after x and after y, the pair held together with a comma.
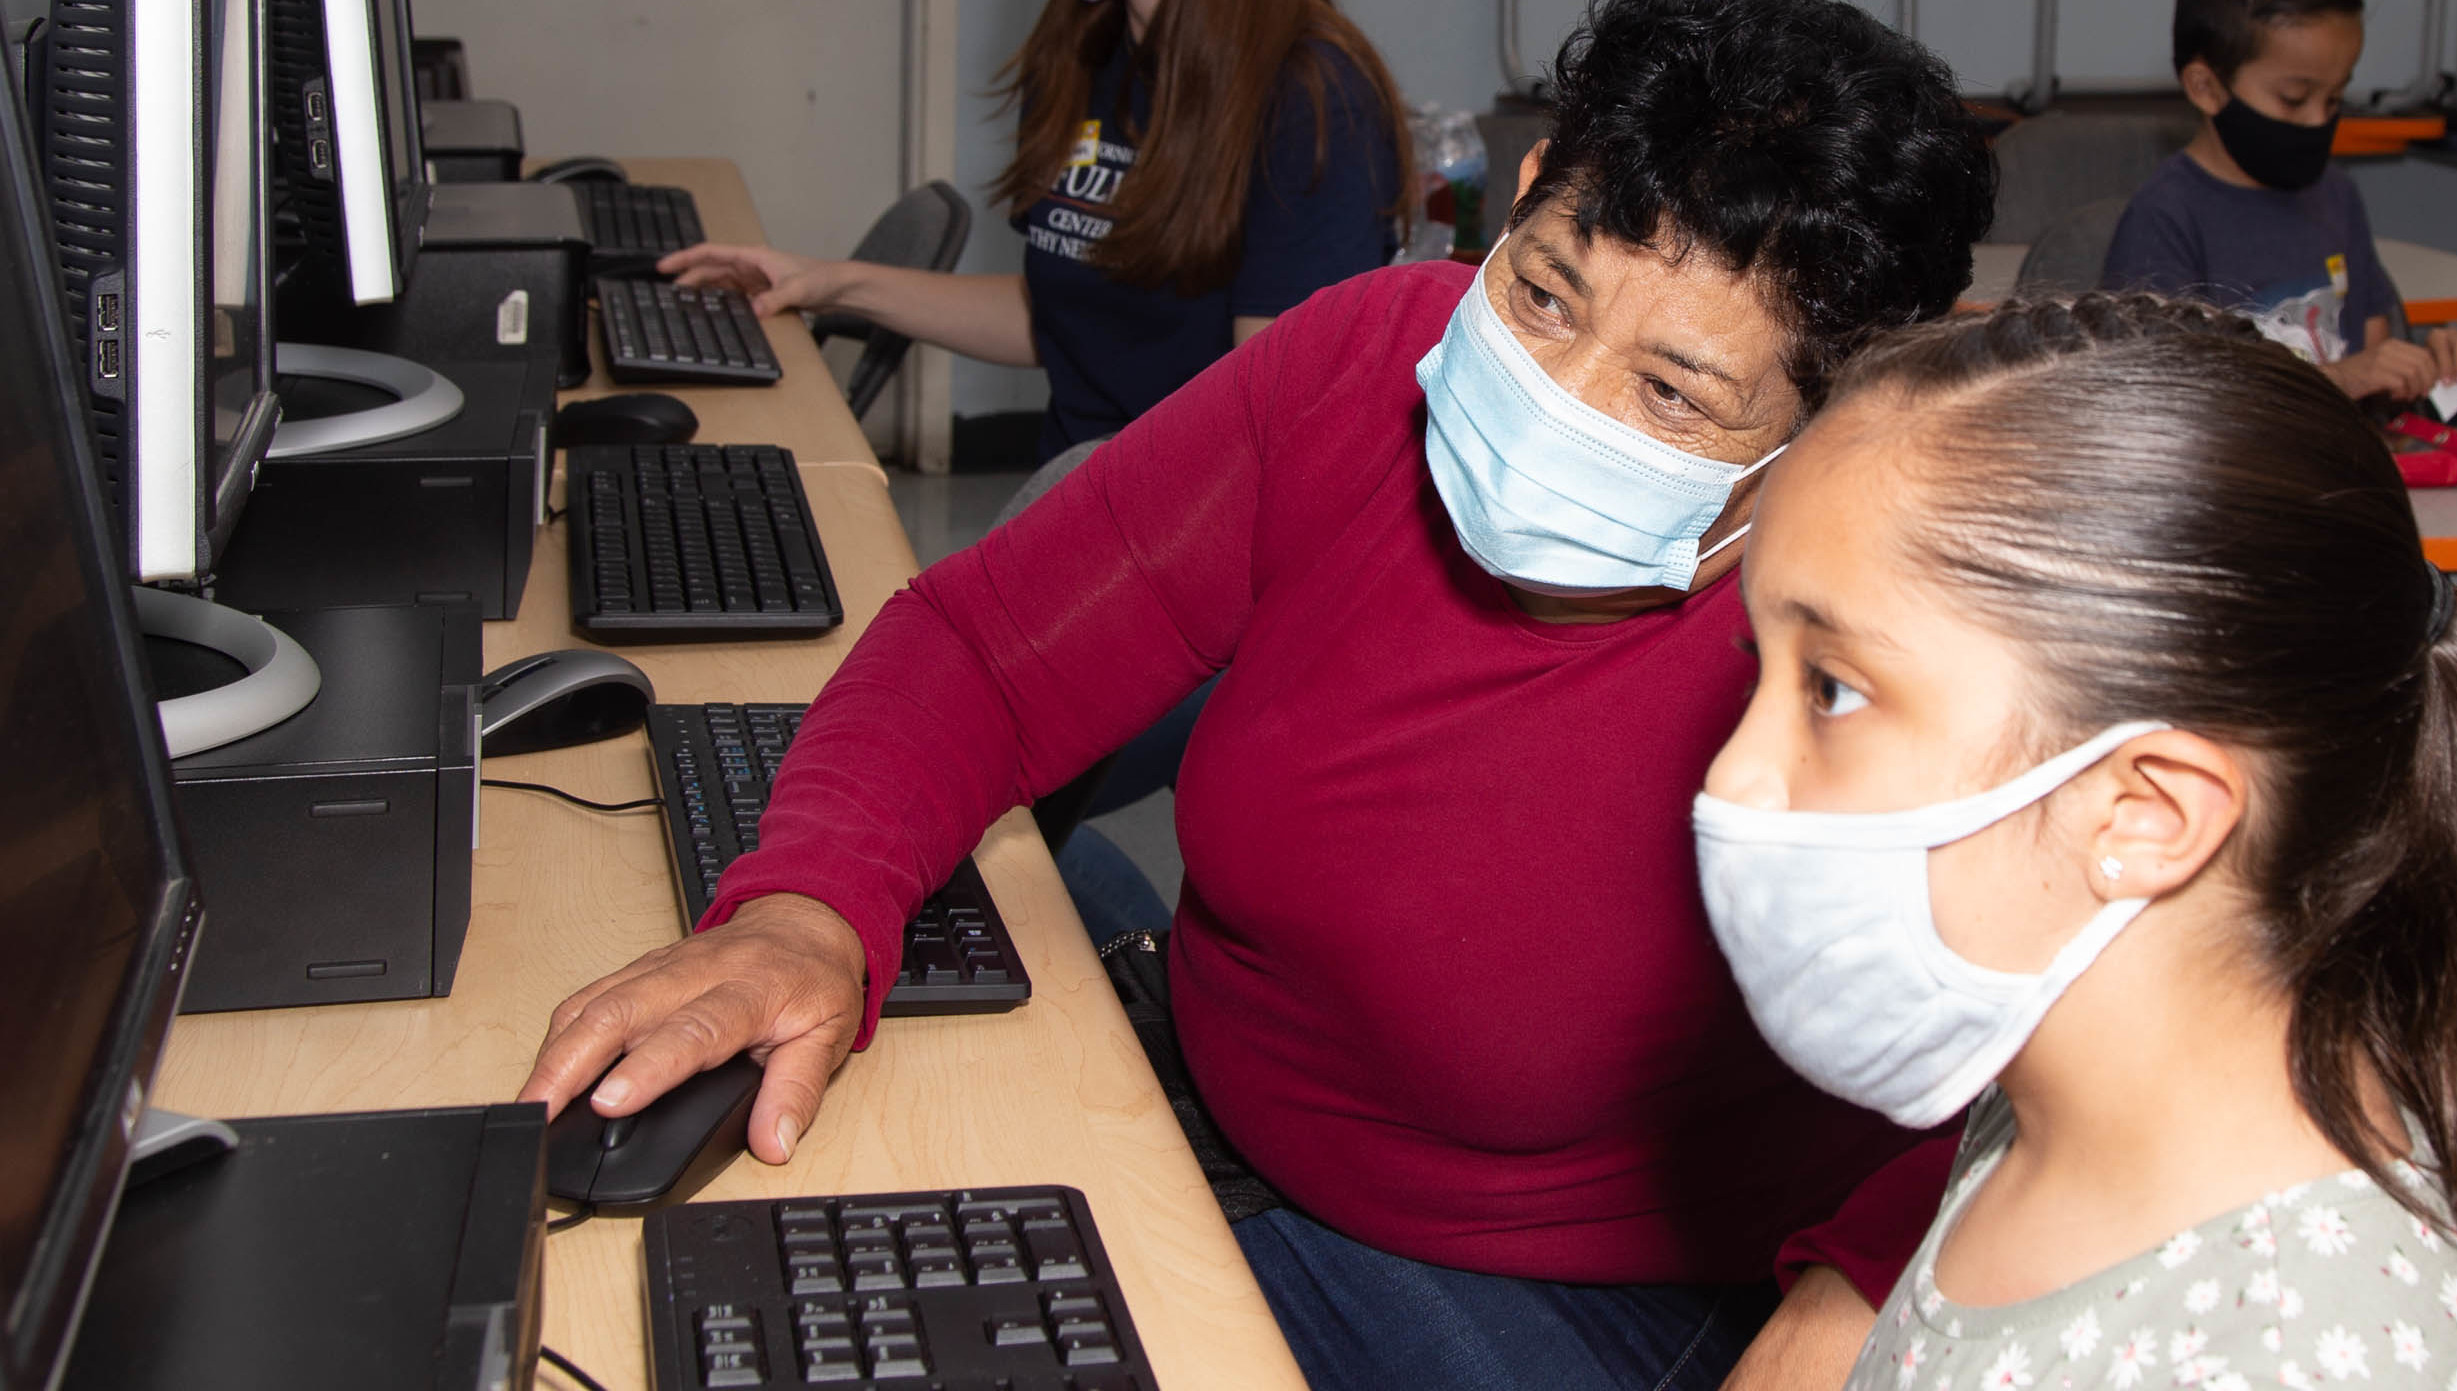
x: 1440, y: 967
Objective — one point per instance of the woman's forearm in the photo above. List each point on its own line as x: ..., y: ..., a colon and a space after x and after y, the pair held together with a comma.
x: 983, y: 316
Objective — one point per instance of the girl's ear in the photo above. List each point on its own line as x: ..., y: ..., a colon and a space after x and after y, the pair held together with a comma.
x: 2170, y: 800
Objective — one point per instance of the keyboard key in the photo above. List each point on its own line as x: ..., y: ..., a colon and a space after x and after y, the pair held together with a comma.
x: 815, y: 1275
x: 831, y: 1364
x: 1087, y: 1349
x: 1055, y: 1253
x: 883, y: 1215
x: 1072, y: 1309
x: 1009, y: 1332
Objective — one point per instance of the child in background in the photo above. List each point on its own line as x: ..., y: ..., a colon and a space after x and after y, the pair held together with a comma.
x: 2252, y: 216
x: 2105, y: 748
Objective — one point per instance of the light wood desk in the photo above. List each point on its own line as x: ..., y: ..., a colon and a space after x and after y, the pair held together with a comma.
x: 1055, y: 1092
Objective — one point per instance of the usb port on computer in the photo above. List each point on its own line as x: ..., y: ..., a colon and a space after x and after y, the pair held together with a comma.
x: 320, y: 156
x: 315, y: 107
x: 106, y: 313
x: 110, y: 358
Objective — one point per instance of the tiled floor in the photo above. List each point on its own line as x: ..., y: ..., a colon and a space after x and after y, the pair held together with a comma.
x: 944, y: 513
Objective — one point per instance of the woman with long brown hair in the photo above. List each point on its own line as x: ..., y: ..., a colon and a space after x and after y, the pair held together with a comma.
x: 1185, y: 171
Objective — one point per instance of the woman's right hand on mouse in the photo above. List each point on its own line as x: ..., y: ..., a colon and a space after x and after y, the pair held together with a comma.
x: 782, y: 980
x: 775, y: 281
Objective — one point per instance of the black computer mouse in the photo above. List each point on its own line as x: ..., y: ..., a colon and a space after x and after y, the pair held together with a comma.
x: 662, y: 1154
x: 636, y: 417
x: 564, y: 171
x: 557, y: 699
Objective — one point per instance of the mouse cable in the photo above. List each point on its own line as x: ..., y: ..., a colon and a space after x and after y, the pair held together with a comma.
x: 555, y: 514
x: 568, y: 1368
x: 572, y: 1219
x: 569, y: 797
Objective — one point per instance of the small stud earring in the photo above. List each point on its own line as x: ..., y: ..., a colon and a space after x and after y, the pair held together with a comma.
x: 2113, y: 868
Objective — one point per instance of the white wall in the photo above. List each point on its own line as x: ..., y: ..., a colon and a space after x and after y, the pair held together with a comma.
x: 805, y: 95
x: 987, y: 33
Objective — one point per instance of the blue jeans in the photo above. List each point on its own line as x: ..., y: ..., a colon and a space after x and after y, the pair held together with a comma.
x: 1112, y: 894
x: 1364, y: 1320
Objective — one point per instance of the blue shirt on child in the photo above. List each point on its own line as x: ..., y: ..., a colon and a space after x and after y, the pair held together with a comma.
x: 2301, y: 264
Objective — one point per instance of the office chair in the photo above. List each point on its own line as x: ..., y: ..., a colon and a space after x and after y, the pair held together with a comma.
x: 2070, y: 255
x: 923, y: 230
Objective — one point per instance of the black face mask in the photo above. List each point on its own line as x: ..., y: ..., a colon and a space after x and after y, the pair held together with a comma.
x: 2279, y: 154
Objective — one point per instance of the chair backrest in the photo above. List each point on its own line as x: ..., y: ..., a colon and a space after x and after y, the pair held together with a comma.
x: 924, y: 230
x: 2070, y: 255
x: 2050, y: 165
x: 1049, y: 475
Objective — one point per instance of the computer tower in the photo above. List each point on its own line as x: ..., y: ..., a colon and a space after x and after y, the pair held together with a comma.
x: 450, y: 514
x: 333, y: 850
x: 502, y: 272
x: 471, y: 141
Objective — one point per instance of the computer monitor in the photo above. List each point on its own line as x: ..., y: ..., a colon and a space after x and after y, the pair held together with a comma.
x: 350, y: 190
x: 345, y: 121
x: 97, y: 911
x: 153, y: 153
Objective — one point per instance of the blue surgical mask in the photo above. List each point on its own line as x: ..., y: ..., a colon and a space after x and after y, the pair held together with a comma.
x: 1546, y: 491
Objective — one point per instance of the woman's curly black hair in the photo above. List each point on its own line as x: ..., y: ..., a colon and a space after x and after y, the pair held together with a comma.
x: 1799, y: 140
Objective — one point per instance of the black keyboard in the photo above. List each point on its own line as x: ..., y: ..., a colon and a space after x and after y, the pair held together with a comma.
x: 656, y: 332
x: 693, y: 541
x: 633, y: 226
x: 715, y: 764
x: 964, y: 1290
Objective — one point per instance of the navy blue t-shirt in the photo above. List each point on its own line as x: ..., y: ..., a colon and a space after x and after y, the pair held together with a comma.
x: 2295, y: 262
x: 1112, y: 350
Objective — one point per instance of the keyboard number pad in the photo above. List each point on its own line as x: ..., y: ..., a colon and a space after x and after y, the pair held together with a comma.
x: 962, y: 1290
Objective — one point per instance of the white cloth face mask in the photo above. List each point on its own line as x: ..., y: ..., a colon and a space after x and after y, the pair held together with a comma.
x: 1826, y: 920
x: 1544, y: 490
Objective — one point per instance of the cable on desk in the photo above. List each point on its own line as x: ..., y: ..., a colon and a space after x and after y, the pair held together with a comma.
x: 564, y: 1365
x: 571, y: 798
x: 570, y: 1220
x: 555, y: 514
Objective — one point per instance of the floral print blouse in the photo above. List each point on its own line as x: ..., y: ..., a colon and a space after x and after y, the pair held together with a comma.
x: 2323, y: 1284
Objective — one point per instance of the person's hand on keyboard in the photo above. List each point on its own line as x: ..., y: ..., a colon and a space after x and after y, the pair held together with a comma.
x: 774, y: 281
x: 783, y: 980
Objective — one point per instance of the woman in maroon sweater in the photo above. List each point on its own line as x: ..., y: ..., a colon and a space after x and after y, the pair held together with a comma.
x: 1440, y: 968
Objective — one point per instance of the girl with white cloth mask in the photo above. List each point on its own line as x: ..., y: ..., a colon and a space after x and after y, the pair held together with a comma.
x: 2105, y: 751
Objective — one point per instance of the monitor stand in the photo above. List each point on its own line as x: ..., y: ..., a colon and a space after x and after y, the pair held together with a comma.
x: 167, y: 1140
x: 281, y: 678
x: 421, y: 399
